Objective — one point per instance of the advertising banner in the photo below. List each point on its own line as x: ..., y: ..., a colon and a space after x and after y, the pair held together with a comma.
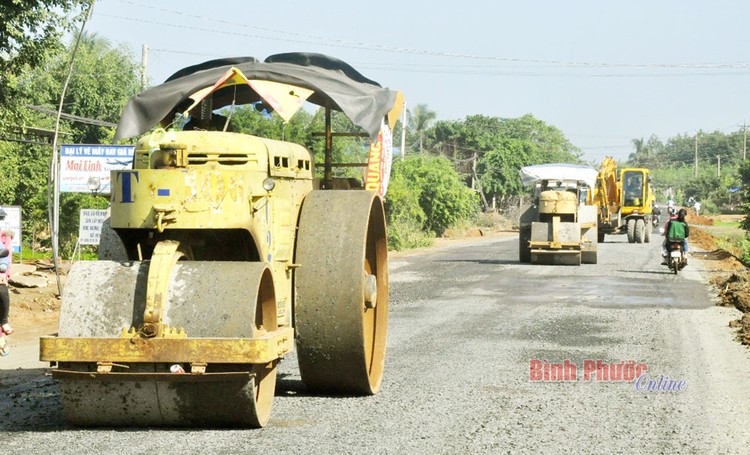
x: 85, y: 168
x: 378, y: 171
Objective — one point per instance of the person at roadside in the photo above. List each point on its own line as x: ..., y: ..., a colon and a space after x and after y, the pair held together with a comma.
x: 670, y: 203
x: 677, y: 229
x: 6, y: 258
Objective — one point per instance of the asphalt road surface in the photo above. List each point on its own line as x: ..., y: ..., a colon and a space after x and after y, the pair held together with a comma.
x: 471, y: 330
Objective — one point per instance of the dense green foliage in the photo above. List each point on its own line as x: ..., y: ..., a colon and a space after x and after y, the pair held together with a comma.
x: 673, y: 166
x: 493, y: 149
x: 425, y: 193
x: 29, y: 31
x: 103, y: 78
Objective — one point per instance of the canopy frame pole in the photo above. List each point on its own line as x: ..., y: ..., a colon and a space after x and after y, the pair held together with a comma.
x: 328, y: 172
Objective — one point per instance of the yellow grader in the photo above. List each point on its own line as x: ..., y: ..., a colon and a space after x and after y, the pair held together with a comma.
x: 625, y: 200
x: 222, y: 251
x: 559, y: 227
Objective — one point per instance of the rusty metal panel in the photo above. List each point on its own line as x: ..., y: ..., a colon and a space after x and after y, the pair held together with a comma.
x: 260, y: 350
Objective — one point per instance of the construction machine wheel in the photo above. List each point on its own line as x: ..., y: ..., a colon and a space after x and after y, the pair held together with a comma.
x: 524, y: 249
x: 631, y: 231
x: 640, y: 231
x: 208, y: 300
x: 647, y: 232
x: 341, y: 292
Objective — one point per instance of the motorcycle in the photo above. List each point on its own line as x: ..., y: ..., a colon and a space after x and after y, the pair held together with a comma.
x: 656, y: 218
x: 676, y: 259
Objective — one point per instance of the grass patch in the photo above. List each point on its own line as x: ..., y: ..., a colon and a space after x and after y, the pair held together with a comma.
x: 737, y: 244
x: 406, y: 235
x: 734, y: 224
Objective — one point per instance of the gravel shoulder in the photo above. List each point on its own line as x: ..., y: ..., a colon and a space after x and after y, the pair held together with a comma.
x: 466, y: 319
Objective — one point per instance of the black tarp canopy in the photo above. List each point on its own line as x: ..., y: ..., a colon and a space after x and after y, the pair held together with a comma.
x: 335, y: 85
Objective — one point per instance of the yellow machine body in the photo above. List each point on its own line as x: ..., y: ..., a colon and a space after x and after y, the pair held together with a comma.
x: 625, y: 201
x: 559, y: 227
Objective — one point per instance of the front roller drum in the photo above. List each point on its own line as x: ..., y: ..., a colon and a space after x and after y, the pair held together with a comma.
x: 103, y: 297
x: 341, y: 286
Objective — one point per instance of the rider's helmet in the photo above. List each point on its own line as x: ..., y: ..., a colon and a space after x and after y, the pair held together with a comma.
x: 673, y: 210
x: 682, y: 214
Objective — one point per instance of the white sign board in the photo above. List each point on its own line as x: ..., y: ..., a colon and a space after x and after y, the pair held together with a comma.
x: 83, y: 167
x: 90, y: 227
x: 12, y: 222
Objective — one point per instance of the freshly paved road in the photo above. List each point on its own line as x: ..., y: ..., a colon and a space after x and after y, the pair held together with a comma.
x: 466, y: 319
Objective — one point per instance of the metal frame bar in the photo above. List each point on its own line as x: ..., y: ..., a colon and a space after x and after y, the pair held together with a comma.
x: 136, y: 349
x: 240, y: 376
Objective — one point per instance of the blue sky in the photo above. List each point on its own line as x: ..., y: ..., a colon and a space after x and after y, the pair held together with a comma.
x: 603, y: 72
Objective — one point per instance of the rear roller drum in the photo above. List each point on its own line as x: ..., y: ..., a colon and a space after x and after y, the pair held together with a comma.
x: 341, y: 304
x: 101, y: 298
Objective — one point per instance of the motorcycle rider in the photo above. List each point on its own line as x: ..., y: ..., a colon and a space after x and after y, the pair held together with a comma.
x: 655, y: 214
x: 676, y: 229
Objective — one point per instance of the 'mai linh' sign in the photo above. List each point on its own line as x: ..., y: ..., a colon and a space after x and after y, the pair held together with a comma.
x: 85, y: 168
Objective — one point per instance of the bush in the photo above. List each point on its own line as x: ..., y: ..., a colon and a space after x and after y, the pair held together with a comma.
x: 426, y: 191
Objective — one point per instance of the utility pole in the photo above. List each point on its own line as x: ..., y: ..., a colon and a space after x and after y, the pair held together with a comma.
x: 54, y: 211
x: 403, y: 134
x: 744, y: 143
x: 473, y: 169
x: 718, y: 166
x: 144, y: 66
x: 695, y: 167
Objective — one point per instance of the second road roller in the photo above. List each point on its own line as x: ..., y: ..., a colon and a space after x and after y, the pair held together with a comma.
x: 223, y: 252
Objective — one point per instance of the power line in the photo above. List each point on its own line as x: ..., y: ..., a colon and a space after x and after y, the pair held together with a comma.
x: 490, y: 71
x: 73, y: 118
x: 321, y: 40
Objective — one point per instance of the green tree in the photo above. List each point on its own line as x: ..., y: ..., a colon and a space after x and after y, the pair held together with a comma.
x: 672, y: 164
x: 103, y: 79
x: 29, y: 31
x: 502, y: 146
x: 500, y: 166
x: 641, y: 156
x: 419, y: 120
x: 248, y: 120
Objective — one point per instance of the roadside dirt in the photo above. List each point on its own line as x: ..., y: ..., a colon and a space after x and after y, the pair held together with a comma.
x: 728, y: 274
x: 34, y: 311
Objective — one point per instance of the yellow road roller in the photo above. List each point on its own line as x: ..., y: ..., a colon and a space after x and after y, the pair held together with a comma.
x: 223, y: 252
